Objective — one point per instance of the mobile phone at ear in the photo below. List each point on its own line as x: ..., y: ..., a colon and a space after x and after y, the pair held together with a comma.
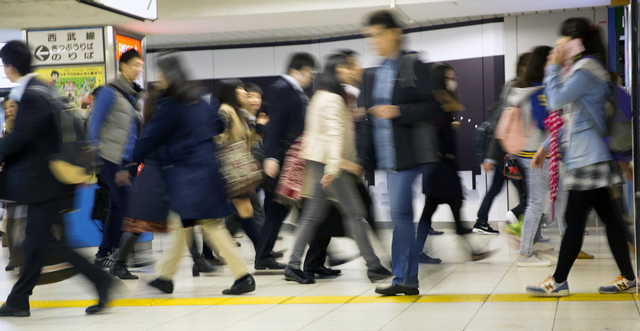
x: 572, y: 48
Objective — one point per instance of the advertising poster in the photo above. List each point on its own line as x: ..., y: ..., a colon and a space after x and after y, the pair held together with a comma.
x: 74, y: 83
x: 123, y: 44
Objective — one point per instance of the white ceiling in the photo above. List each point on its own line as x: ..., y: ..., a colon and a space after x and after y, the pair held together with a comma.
x: 211, y: 22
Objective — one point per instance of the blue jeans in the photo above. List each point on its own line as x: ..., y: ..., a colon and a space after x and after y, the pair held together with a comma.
x: 538, y: 198
x: 404, y: 252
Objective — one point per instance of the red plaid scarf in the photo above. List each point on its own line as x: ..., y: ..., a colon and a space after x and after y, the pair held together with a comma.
x: 553, y: 123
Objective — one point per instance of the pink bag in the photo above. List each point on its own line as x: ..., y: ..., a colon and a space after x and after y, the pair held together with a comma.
x: 510, y: 131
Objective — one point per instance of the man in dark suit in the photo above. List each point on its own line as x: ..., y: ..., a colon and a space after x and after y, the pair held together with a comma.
x: 27, y: 180
x: 287, y: 105
x: 403, y: 139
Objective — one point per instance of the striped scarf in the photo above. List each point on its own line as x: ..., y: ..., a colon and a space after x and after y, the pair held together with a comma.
x: 553, y: 123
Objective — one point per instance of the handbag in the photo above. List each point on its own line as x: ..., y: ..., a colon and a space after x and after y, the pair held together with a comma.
x: 290, y: 184
x: 240, y: 170
x: 512, y: 168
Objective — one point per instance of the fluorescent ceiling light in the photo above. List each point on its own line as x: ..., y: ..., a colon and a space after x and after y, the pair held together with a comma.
x: 138, y: 9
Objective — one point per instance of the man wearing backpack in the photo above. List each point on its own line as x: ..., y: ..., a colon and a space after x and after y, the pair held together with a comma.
x: 114, y: 126
x: 27, y: 180
x: 403, y: 140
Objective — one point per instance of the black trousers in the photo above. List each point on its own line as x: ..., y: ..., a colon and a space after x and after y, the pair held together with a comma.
x: 579, y: 205
x: 39, y: 240
x: 275, y: 214
x: 496, y: 187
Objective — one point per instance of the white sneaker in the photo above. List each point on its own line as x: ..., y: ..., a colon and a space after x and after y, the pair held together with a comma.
x: 533, y: 261
x: 512, y: 218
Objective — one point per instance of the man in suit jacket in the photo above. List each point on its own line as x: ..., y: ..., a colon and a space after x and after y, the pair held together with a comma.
x: 404, y: 142
x: 28, y: 181
x: 287, y: 104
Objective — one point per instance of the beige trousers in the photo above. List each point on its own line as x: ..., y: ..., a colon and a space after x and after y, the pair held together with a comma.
x: 216, y: 236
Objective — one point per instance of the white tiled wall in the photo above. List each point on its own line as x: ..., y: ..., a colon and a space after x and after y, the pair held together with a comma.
x: 436, y: 45
x: 243, y: 62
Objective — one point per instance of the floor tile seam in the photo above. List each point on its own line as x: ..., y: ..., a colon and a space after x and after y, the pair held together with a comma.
x: 445, y: 277
x: 400, y: 313
x: 327, y: 313
x: 448, y: 244
x: 242, y: 320
x: 555, y: 316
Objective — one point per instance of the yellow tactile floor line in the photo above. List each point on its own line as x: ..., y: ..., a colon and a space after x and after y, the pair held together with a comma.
x: 339, y: 299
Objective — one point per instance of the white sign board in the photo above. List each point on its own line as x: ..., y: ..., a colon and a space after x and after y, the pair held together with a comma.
x: 66, y: 46
x: 138, y: 9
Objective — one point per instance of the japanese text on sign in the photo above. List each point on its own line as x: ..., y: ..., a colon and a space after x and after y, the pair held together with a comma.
x: 68, y: 46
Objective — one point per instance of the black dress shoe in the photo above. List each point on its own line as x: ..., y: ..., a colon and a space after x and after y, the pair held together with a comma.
x: 297, y: 275
x: 268, y: 263
x: 243, y: 285
x: 201, y: 265
x: 120, y: 270
x: 396, y: 289
x: 165, y: 286
x: 379, y: 274
x: 433, y: 232
x: 278, y: 254
x: 104, y: 289
x: 8, y: 311
x: 323, y: 271
x: 96, y: 308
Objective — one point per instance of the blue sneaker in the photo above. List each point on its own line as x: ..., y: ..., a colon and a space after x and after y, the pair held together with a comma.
x: 620, y: 285
x: 549, y: 288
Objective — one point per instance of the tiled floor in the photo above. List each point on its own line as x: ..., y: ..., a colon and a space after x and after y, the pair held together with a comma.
x: 494, y: 298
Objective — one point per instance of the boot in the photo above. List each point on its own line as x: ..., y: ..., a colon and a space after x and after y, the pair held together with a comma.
x: 119, y: 266
x: 199, y: 263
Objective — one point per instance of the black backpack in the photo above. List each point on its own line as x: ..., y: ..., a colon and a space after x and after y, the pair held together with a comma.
x: 75, y: 160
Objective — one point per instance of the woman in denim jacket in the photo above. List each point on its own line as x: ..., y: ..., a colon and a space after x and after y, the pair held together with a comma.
x: 590, y: 169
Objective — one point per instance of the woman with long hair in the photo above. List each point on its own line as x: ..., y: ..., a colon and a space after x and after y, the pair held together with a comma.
x: 528, y: 95
x: 239, y: 127
x: 148, y: 207
x: 329, y: 148
x: 184, y: 125
x: 590, y: 169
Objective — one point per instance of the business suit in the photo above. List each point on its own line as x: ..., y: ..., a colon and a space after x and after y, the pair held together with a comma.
x: 286, y: 122
x: 28, y: 181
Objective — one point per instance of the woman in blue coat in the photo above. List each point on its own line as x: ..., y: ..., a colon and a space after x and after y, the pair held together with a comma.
x: 184, y: 126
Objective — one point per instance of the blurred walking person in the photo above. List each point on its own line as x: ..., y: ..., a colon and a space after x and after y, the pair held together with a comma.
x: 184, y: 125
